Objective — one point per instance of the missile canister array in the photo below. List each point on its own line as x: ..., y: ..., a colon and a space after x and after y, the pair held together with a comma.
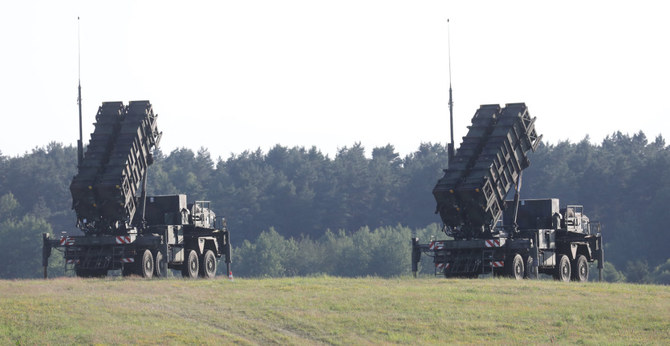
x: 115, y: 163
x: 487, y: 165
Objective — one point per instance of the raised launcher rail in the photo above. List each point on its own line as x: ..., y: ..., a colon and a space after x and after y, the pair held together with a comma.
x: 471, y: 195
x: 114, y: 166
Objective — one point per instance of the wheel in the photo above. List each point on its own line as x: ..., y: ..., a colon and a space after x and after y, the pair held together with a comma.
x: 191, y: 266
x: 581, y: 272
x: 530, y: 273
x: 160, y: 267
x: 208, y: 265
x: 515, y: 268
x: 562, y: 270
x: 146, y: 265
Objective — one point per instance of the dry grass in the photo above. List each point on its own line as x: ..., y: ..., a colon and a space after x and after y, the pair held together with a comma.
x: 331, y: 311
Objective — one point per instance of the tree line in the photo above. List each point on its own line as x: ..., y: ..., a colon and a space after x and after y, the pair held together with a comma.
x: 312, y: 203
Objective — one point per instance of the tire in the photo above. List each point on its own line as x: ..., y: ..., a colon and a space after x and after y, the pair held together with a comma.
x: 580, y: 269
x: 160, y: 267
x: 191, y: 266
x: 515, y: 268
x: 562, y: 271
x: 530, y: 273
x: 146, y: 265
x: 208, y: 265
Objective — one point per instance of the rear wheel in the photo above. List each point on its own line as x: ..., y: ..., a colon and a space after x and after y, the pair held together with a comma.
x: 562, y: 271
x: 581, y: 269
x: 515, y: 268
x: 191, y: 266
x: 208, y: 265
x: 146, y: 269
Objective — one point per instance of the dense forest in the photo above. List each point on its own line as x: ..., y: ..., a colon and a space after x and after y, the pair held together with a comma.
x: 296, y: 211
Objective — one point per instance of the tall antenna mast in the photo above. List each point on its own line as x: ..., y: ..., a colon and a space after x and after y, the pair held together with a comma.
x: 451, y: 102
x: 80, y: 144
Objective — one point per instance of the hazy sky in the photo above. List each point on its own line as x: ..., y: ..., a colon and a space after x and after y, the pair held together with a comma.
x: 237, y: 75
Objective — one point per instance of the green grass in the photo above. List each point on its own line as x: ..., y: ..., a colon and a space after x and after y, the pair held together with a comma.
x: 331, y: 311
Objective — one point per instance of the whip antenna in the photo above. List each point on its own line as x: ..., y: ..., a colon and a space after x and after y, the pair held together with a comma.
x: 80, y: 144
x: 451, y: 102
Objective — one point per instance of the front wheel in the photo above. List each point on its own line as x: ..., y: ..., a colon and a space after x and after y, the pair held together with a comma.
x: 581, y: 266
x: 208, y: 265
x: 191, y: 266
x: 562, y: 271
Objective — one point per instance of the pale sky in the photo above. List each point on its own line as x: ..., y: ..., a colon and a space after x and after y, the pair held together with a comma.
x: 236, y: 75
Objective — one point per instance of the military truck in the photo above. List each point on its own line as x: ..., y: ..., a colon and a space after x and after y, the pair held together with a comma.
x: 120, y: 227
x: 492, y: 235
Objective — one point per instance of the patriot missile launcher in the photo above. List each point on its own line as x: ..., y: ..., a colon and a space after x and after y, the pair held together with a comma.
x: 123, y: 228
x: 490, y: 234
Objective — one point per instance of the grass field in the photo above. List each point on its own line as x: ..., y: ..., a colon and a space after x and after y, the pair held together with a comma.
x: 330, y: 310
